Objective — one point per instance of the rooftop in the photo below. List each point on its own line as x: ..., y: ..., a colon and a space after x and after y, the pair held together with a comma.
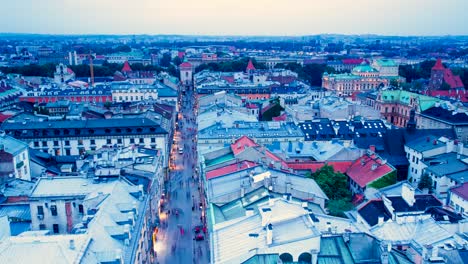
x: 368, y: 168
x: 43, y: 249
x: 252, y: 129
x: 461, y: 191
x: 12, y: 145
x: 446, y: 115
x: 68, y: 186
x: 423, y: 144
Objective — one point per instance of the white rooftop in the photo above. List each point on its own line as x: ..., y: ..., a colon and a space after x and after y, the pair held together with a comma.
x: 56, y: 249
x: 293, y: 231
x: 68, y: 186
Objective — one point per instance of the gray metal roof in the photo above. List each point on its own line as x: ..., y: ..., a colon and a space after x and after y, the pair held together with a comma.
x: 12, y: 145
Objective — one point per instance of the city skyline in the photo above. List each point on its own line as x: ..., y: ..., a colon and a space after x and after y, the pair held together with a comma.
x: 256, y: 18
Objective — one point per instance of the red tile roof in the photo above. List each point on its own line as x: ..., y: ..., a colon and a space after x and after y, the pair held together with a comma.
x: 280, y: 118
x: 186, y: 65
x: 70, y: 71
x: 453, y: 80
x: 3, y: 117
x: 461, y: 191
x: 250, y: 66
x: 230, y: 169
x: 438, y: 65
x: 126, y: 67
x: 341, y: 166
x: 240, y: 144
x: 229, y: 79
x: 251, y: 106
x: 362, y: 171
x: 457, y: 94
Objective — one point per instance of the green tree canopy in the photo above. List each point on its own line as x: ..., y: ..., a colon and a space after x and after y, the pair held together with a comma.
x: 425, y: 182
x: 334, y: 184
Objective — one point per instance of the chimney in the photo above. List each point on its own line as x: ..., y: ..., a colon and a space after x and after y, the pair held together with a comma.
x: 372, y: 148
x: 374, y: 167
x: 269, y: 234
x: 266, y: 215
x: 427, y: 252
x: 385, y: 253
x: 434, y: 142
x: 380, y: 220
x: 407, y: 193
x: 72, y: 244
x: 249, y: 212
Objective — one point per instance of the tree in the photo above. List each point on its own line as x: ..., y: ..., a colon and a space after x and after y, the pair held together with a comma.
x: 177, y: 61
x: 425, y: 183
x: 335, y: 186
x: 273, y: 111
x: 394, y: 83
x: 165, y: 60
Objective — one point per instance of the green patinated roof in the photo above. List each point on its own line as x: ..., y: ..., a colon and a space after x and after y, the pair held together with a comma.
x: 345, y: 76
x: 219, y: 160
x: 364, y: 68
x: 263, y: 259
x: 386, y: 63
x: 404, y: 97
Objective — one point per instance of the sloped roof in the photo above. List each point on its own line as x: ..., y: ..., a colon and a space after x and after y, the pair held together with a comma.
x: 453, y: 81
x: 250, y: 66
x: 126, y: 67
x: 461, y: 191
x: 438, y: 65
x: 230, y: 169
x: 240, y: 144
x: 340, y: 166
x: 367, y: 169
x: 185, y: 64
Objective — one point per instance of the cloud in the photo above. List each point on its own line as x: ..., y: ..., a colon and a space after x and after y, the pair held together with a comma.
x: 226, y: 17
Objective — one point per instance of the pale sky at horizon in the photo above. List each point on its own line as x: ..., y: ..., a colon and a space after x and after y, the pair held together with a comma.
x: 235, y: 17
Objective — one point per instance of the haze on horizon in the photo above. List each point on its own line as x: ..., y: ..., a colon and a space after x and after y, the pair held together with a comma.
x: 235, y: 17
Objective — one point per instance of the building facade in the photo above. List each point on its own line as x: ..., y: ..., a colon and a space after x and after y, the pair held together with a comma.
x: 76, y: 137
x: 129, y: 92
x: 14, y: 158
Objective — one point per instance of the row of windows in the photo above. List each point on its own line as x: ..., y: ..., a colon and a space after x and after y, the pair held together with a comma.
x: 57, y: 132
x: 91, y: 141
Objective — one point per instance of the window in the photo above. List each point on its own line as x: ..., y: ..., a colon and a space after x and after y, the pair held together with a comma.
x: 67, y: 143
x: 40, y: 210
x: 55, y: 143
x: 56, y: 228
x: 80, y: 209
x: 93, y: 142
x: 119, y: 141
x: 44, y: 143
x: 132, y: 141
x: 109, y: 141
x: 36, y: 144
x: 53, y: 210
x: 153, y: 140
x: 42, y: 227
x: 142, y: 140
x: 67, y: 152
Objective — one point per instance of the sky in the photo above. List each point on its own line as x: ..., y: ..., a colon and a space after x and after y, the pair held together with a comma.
x: 235, y: 17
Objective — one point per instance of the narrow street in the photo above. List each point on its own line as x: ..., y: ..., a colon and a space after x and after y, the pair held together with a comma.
x: 181, y: 217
